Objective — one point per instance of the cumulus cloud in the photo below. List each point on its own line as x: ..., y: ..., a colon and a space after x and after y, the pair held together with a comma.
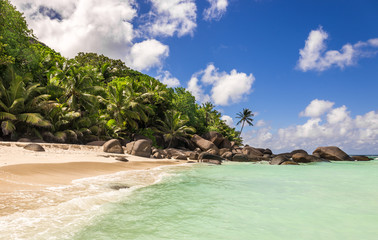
x: 229, y: 121
x: 167, y: 78
x: 197, y: 90
x: 169, y: 17
x: 317, y: 108
x: 315, y: 57
x: 83, y: 25
x: 357, y: 135
x: 226, y: 88
x: 147, y: 54
x: 216, y: 10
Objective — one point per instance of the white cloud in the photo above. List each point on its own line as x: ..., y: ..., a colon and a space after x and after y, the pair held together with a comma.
x: 226, y: 88
x: 357, y: 135
x: 167, y: 78
x: 147, y: 54
x: 315, y: 57
x: 197, y: 90
x: 260, y: 123
x: 82, y: 26
x: 169, y: 17
x: 317, y: 108
x: 216, y: 10
x: 229, y: 121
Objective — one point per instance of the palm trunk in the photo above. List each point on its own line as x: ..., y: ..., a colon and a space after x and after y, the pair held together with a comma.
x: 241, y: 130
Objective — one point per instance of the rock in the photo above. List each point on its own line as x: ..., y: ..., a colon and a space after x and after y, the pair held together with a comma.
x: 34, y: 147
x: 96, y: 143
x: 225, y: 144
x: 203, y: 143
x: 267, y: 151
x: 90, y: 138
x: 301, y: 157
x: 208, y: 156
x: 227, y: 155
x: 223, y: 150
x: 332, y: 153
x: 299, y: 151
x: 24, y: 140
x: 212, y: 161
x: 213, y: 151
x: 214, y: 137
x: 122, y: 159
x: 278, y: 160
x: 267, y: 156
x: 118, y: 186
x: 141, y: 148
x: 240, y: 158
x: 38, y: 140
x: 180, y: 157
x: 157, y: 155
x: 237, y: 151
x: 129, y: 147
x: 251, y: 152
x: 361, y: 158
x: 192, y: 155
x: 289, y: 163
x: 262, y: 150
x: 113, y: 146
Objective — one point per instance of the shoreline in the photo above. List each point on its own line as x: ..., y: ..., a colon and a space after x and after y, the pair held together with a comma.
x: 23, y: 171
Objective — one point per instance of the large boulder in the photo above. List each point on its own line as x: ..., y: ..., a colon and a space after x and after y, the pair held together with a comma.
x: 141, y: 148
x: 214, y: 137
x: 209, y: 156
x: 299, y: 151
x: 191, y: 155
x: 267, y: 151
x: 203, y: 143
x: 113, y: 146
x: 301, y: 157
x: 332, y: 153
x: 225, y: 143
x: 240, y: 158
x: 34, y: 147
x: 278, y: 160
x: 227, y: 155
x: 252, y: 152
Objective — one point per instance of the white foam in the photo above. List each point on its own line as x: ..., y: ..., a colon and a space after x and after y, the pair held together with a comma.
x: 67, y: 209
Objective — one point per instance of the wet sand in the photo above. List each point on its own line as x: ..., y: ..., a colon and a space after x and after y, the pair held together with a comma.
x: 27, y: 171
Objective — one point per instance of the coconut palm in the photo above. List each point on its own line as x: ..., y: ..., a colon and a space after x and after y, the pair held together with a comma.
x: 125, y: 105
x: 173, y: 127
x: 20, y: 106
x: 245, y: 117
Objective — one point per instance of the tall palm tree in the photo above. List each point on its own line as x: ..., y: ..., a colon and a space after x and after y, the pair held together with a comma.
x: 20, y: 106
x: 173, y: 127
x: 245, y: 117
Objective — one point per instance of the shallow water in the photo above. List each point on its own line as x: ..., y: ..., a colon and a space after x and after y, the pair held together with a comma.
x: 250, y: 201
x: 234, y: 201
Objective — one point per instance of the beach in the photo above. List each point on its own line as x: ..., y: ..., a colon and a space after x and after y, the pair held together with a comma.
x: 59, y: 165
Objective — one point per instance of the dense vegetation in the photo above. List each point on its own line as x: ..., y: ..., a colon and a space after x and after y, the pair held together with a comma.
x: 90, y: 97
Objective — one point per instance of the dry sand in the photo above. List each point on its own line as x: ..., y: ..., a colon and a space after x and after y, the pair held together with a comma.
x: 60, y: 164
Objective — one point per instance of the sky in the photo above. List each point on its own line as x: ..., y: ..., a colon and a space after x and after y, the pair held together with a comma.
x: 308, y: 70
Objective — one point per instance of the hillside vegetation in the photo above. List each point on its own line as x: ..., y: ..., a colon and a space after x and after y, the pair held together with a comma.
x: 44, y: 95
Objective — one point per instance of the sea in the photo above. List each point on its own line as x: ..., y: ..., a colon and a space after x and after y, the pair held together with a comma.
x: 333, y: 201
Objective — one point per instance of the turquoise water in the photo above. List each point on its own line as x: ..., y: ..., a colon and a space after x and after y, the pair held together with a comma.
x: 333, y: 201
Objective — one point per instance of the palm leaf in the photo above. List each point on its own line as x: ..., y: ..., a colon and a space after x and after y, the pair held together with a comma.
x: 7, y: 127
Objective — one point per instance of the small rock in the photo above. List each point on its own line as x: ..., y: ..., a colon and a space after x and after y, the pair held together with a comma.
x: 34, y: 147
x: 122, y: 159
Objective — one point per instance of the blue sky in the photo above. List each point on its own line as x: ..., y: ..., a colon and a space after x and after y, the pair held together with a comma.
x: 309, y: 69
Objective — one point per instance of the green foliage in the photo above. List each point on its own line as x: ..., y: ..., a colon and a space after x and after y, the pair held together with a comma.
x: 174, y: 126
x: 245, y: 117
x: 89, y: 97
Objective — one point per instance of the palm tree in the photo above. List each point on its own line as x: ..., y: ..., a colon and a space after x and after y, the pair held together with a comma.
x: 173, y: 127
x: 125, y: 105
x: 245, y: 116
x: 20, y: 106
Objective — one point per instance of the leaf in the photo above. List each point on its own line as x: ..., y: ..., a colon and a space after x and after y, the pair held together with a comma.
x: 7, y: 127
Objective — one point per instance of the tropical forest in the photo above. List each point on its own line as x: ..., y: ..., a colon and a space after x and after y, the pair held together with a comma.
x: 45, y: 96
